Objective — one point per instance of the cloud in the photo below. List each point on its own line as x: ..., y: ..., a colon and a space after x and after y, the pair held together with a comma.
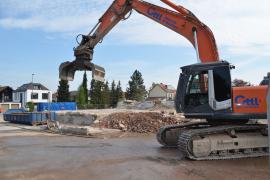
x: 242, y: 22
x: 52, y: 16
x: 240, y: 27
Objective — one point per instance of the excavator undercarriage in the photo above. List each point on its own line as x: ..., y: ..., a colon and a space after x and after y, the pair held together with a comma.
x: 202, y: 141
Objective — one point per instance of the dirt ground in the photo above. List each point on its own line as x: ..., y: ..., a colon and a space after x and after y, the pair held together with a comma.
x: 29, y: 154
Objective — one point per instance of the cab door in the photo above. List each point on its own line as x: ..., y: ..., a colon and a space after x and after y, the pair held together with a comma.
x: 220, y: 89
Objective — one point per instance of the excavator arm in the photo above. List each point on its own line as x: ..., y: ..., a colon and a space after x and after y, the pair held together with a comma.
x: 179, y: 20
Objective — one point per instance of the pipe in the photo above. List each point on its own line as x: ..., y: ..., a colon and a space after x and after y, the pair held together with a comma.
x: 178, y: 8
x: 94, y: 28
x: 196, y: 45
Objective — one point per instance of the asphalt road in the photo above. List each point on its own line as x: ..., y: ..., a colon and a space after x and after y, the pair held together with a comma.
x: 27, y: 154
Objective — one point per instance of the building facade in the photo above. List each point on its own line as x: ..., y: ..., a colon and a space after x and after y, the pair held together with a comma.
x: 162, y: 92
x: 32, y: 92
x: 5, y: 94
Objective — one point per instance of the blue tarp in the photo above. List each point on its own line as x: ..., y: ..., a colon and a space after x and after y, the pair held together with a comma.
x: 59, y: 106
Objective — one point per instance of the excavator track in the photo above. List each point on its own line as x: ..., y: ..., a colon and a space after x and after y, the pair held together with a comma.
x: 168, y: 135
x: 224, y: 142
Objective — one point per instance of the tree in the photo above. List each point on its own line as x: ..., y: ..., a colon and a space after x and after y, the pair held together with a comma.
x: 119, y: 92
x: 113, y: 95
x: 63, y: 91
x: 96, y: 95
x: 240, y: 83
x: 136, y: 89
x: 84, y: 85
x: 106, y: 94
x: 31, y: 106
x: 81, y: 96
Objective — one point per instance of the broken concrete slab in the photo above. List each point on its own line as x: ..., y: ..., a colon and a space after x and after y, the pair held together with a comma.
x: 76, y: 118
x: 90, y: 131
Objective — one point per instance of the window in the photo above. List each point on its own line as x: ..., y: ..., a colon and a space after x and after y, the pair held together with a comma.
x: 36, y: 87
x: 198, y: 83
x: 197, y: 90
x: 6, y: 98
x: 34, y: 96
x: 222, y: 83
x: 44, y: 95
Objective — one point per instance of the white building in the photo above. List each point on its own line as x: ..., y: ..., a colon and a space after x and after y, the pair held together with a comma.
x: 162, y: 92
x: 32, y: 92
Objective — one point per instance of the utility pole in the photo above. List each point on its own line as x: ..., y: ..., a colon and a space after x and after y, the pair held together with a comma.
x: 32, y: 87
x: 33, y: 78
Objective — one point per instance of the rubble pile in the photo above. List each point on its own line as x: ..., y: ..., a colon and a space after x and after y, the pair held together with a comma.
x: 142, y: 122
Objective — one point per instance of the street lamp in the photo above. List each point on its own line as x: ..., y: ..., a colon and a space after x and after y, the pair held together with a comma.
x: 32, y: 86
x: 33, y: 78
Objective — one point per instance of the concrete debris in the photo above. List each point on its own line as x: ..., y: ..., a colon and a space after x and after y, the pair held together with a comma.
x: 76, y: 118
x: 142, y: 122
x: 147, y: 105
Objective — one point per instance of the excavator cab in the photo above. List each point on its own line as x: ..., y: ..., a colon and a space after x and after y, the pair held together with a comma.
x: 204, y: 90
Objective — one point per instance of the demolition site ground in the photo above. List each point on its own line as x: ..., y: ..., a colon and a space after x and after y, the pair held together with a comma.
x: 28, y: 152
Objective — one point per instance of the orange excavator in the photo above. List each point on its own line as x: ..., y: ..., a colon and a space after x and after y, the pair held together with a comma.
x: 204, y: 89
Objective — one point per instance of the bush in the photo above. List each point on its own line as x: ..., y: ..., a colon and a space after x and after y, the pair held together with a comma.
x: 31, y: 106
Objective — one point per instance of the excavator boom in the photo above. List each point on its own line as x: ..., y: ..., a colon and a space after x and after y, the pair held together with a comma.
x: 179, y: 20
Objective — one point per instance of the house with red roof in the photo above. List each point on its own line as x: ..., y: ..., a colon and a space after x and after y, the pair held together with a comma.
x: 162, y: 92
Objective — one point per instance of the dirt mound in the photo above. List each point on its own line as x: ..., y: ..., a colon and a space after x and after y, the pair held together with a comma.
x: 142, y: 122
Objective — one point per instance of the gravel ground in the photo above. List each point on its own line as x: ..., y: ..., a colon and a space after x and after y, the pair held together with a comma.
x: 34, y: 155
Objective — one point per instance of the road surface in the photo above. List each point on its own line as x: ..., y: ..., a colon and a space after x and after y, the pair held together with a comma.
x: 28, y: 154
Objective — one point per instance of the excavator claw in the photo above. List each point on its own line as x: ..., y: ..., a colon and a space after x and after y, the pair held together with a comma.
x: 67, y: 69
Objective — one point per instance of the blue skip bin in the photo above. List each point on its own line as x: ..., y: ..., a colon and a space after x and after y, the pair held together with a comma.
x: 59, y: 106
x: 32, y: 118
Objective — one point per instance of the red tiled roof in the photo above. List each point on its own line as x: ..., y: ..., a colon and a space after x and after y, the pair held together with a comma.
x: 165, y: 88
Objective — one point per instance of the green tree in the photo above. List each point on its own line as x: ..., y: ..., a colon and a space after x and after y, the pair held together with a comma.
x: 84, y: 84
x: 119, y: 92
x: 106, y: 94
x: 81, y: 96
x: 113, y: 95
x: 136, y: 89
x: 96, y: 94
x: 63, y: 91
x: 240, y: 83
x: 31, y: 106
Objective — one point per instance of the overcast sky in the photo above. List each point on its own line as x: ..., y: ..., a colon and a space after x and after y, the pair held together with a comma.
x: 37, y: 35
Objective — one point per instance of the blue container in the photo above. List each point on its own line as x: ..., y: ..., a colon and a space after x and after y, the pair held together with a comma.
x: 7, y: 114
x: 59, y: 106
x: 32, y: 118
